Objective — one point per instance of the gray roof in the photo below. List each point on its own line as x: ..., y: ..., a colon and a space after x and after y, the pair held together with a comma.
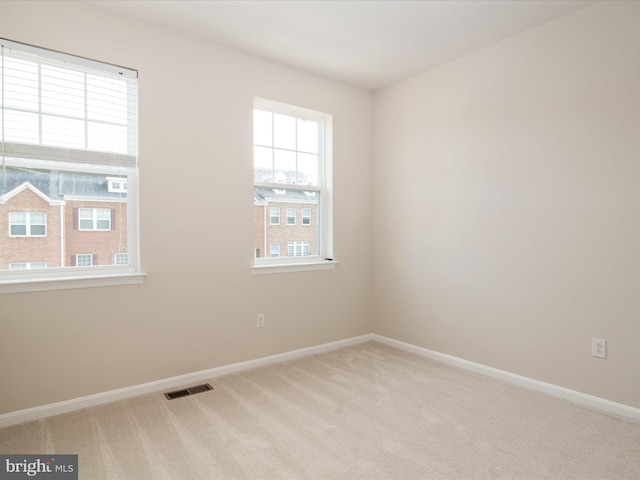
x: 56, y: 185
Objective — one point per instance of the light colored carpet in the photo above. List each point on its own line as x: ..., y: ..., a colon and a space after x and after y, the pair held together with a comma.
x: 363, y: 412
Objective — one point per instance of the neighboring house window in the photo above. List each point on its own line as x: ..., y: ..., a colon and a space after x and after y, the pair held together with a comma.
x: 117, y: 185
x: 27, y: 265
x: 274, y: 250
x: 121, y: 259
x: 292, y: 155
x: 298, y: 249
x: 291, y: 216
x: 257, y: 252
x: 27, y: 224
x: 275, y: 216
x: 94, y: 218
x: 84, y: 260
x: 306, y: 216
x: 70, y: 136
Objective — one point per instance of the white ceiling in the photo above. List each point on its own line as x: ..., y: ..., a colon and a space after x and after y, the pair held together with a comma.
x: 370, y: 44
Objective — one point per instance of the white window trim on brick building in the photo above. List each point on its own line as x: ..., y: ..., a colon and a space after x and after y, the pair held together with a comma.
x: 29, y: 223
x: 323, y: 189
x: 28, y: 145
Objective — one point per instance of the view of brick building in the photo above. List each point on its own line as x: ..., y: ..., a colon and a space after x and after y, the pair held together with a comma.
x: 285, y: 223
x: 61, y: 219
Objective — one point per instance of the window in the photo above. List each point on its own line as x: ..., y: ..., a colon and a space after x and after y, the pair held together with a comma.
x: 121, y: 259
x: 298, y: 249
x: 274, y: 250
x: 84, y: 260
x: 275, y: 215
x: 69, y: 137
x: 27, y: 224
x: 27, y: 265
x: 94, y: 219
x: 306, y: 216
x: 117, y: 185
x: 291, y: 216
x: 292, y: 165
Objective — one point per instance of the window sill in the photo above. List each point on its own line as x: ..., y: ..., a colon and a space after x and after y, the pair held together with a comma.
x: 63, y: 283
x: 293, y: 267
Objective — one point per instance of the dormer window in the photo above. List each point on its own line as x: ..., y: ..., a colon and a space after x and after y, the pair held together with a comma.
x: 117, y: 185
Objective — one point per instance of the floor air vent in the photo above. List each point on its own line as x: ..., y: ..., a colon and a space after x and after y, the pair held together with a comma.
x: 188, y: 391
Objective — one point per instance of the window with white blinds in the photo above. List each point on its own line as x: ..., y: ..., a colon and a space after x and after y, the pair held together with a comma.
x: 68, y: 131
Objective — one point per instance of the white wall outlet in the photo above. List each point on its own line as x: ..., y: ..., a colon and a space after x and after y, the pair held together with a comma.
x: 260, y: 320
x: 598, y: 348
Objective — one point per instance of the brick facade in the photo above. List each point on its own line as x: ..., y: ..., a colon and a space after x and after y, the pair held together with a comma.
x: 63, y: 239
x: 45, y: 249
x: 283, y: 233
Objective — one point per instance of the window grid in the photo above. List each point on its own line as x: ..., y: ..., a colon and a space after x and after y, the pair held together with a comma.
x: 275, y: 215
x: 274, y: 250
x: 84, y: 260
x: 27, y: 224
x: 291, y: 216
x: 94, y: 219
x: 27, y: 265
x: 306, y: 216
x: 298, y: 249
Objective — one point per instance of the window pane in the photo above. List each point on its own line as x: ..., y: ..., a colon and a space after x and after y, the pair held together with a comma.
x: 38, y: 230
x: 262, y: 164
x: 284, y: 131
x: 284, y: 166
x: 308, y: 169
x: 262, y: 128
x: 18, y: 230
x: 18, y: 218
x: 37, y: 219
x: 308, y: 131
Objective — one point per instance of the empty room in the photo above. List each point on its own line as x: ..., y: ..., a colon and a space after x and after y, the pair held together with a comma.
x: 319, y: 239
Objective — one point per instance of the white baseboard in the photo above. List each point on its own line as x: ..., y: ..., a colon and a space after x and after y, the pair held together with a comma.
x: 35, y: 413
x: 597, y: 403
x: 590, y: 401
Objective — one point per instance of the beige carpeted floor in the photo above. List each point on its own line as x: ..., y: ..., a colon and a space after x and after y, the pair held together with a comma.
x: 363, y: 412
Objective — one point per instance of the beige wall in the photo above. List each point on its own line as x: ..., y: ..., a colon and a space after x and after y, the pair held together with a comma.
x: 197, y: 307
x: 507, y: 204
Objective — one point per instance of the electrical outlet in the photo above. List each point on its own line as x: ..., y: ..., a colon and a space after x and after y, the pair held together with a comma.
x: 260, y: 320
x: 598, y: 348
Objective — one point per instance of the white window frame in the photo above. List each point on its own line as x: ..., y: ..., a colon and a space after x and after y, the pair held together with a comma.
x: 325, y: 258
x: 28, y: 265
x: 306, y: 214
x: 45, y: 155
x: 28, y: 224
x: 84, y: 255
x: 289, y: 210
x: 274, y: 250
x: 94, y: 219
x: 117, y: 185
x: 272, y: 216
x: 118, y: 256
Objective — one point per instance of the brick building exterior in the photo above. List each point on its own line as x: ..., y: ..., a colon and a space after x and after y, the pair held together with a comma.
x: 295, y: 234
x: 85, y: 220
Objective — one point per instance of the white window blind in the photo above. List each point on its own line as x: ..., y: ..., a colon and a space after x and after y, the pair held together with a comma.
x: 65, y: 108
